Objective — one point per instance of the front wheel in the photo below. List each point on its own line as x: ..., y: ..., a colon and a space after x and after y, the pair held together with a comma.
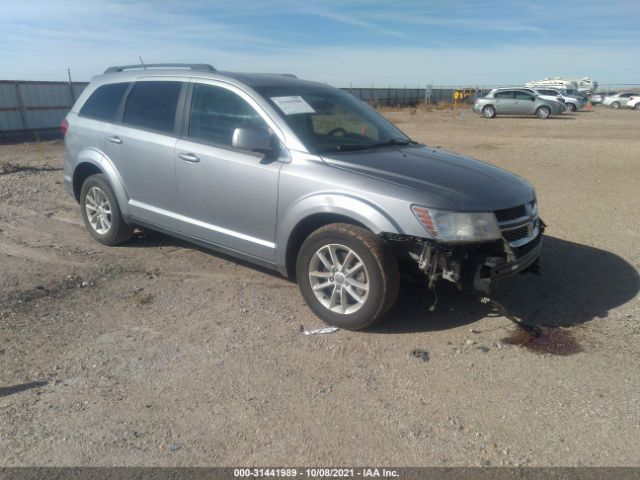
x: 570, y: 107
x: 637, y: 106
x: 489, y: 111
x: 100, y: 212
x: 347, y: 276
x: 543, y: 112
x: 615, y: 105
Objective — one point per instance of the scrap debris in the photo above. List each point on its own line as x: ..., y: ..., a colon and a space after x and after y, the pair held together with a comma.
x: 320, y: 331
x: 422, y: 354
x: 532, y: 329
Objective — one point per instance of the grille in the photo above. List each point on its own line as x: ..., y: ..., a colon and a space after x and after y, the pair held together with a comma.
x: 510, y: 213
x: 527, y: 247
x: 516, y: 234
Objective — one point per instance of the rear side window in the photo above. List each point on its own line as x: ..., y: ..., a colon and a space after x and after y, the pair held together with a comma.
x: 506, y: 94
x: 152, y: 105
x: 523, y: 96
x: 217, y: 112
x: 104, y: 101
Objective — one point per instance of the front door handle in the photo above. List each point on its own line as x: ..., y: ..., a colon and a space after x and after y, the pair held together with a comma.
x: 189, y: 157
x: 115, y: 139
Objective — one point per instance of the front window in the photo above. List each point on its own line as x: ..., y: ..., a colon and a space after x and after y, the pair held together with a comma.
x: 328, y: 120
x: 216, y: 113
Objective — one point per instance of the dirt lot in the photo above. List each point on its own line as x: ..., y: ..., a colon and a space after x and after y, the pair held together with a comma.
x: 160, y: 353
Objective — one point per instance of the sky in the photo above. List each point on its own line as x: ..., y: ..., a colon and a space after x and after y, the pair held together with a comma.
x: 341, y: 42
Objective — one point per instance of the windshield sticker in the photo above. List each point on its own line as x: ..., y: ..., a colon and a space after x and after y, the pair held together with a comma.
x: 292, y: 105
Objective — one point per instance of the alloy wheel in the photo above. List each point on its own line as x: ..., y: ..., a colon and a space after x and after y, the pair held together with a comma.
x: 339, y: 279
x: 98, y: 210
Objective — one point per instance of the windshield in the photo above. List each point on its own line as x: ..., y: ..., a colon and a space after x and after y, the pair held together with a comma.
x: 328, y: 120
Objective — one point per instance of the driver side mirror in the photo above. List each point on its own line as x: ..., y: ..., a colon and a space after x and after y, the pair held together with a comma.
x: 533, y: 99
x: 254, y: 139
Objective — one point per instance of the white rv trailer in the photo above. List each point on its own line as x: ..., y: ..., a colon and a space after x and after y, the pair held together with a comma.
x: 585, y: 85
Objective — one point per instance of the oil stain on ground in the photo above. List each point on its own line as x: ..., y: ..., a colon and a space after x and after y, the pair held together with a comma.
x: 555, y: 341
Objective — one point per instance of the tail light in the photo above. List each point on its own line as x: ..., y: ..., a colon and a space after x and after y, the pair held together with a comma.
x: 64, y: 126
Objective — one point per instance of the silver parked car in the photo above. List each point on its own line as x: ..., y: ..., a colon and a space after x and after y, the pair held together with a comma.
x: 571, y: 104
x: 296, y: 176
x: 516, y: 101
x: 598, y: 97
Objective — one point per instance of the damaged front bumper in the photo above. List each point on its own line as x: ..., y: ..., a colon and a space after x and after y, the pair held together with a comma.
x: 474, y: 266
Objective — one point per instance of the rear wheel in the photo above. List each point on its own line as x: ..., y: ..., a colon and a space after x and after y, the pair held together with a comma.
x: 489, y: 111
x: 100, y: 212
x: 637, y: 106
x: 347, y: 276
x: 543, y: 112
x: 615, y: 105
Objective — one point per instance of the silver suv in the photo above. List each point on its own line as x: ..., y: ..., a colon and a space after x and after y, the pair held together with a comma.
x: 296, y: 176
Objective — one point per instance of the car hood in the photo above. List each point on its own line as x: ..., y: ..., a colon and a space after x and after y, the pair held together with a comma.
x: 447, y: 180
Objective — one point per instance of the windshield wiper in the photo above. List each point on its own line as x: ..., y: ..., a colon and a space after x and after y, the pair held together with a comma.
x: 348, y: 147
x: 394, y: 141
x: 351, y: 147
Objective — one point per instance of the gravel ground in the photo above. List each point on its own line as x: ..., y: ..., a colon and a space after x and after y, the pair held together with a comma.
x: 161, y: 353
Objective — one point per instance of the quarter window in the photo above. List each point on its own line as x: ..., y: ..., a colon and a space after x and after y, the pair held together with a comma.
x: 152, y: 105
x: 104, y: 101
x: 216, y: 112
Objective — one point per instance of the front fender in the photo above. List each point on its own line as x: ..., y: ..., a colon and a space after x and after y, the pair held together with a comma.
x: 358, y: 209
x: 97, y: 158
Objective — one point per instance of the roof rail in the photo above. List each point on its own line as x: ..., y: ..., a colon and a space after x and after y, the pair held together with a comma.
x: 192, y: 66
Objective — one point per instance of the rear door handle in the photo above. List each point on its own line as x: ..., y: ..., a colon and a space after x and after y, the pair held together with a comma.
x: 115, y: 139
x: 189, y: 157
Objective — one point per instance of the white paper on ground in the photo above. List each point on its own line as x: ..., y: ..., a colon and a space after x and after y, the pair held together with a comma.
x: 292, y: 105
x: 320, y: 331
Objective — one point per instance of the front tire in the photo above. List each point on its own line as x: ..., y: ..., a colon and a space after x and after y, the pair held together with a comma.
x: 101, y: 213
x: 543, y: 112
x: 489, y: 111
x: 347, y: 276
x: 615, y: 105
x: 571, y: 107
x: 636, y: 106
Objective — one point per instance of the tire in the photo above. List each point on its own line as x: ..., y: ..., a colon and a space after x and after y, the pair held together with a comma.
x: 106, y: 225
x: 489, y: 111
x: 615, y: 105
x: 543, y: 112
x: 344, y: 247
x: 637, y: 106
x: 571, y: 107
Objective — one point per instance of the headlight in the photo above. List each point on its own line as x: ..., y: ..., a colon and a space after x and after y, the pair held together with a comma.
x: 458, y: 226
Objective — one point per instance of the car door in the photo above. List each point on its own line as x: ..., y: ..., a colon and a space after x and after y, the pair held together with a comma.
x: 142, y: 144
x: 227, y: 196
x: 504, y: 102
x: 524, y: 103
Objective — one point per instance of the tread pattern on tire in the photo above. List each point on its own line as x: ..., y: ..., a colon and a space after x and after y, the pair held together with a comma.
x: 382, y: 255
x: 123, y: 231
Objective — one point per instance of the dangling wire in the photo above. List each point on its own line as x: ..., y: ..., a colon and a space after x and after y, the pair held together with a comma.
x: 532, y: 329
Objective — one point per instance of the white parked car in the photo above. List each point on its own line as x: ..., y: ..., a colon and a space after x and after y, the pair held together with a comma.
x: 634, y: 102
x: 618, y: 100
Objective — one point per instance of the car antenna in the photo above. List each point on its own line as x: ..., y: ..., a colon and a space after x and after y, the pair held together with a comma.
x: 141, y: 62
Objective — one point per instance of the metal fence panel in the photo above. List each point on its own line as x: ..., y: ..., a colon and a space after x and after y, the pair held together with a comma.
x: 10, y: 121
x: 34, y: 110
x: 8, y: 96
x: 45, y: 95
